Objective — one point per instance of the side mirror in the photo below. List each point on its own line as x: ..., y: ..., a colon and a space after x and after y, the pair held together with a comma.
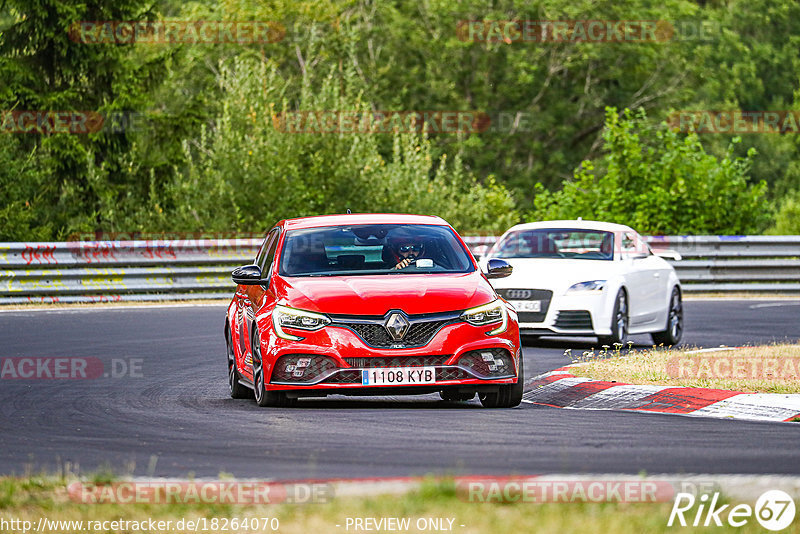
x: 668, y: 254
x: 498, y: 268
x: 247, y: 275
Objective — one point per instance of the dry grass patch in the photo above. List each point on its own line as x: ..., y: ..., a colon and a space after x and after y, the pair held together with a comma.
x: 762, y: 369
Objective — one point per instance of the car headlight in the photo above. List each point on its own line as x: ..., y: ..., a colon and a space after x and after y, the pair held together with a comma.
x: 591, y: 285
x: 283, y: 317
x: 494, y: 312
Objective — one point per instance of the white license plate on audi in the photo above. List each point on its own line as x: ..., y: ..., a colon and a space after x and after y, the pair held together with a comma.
x: 398, y: 376
x: 527, y: 305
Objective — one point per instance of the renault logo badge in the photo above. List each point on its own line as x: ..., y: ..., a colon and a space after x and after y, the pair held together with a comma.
x: 397, y: 326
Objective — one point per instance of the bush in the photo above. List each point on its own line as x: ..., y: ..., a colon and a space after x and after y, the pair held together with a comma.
x: 659, y: 182
x: 246, y: 173
x: 787, y: 221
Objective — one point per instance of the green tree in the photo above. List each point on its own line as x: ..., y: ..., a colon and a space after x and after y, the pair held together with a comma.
x: 246, y: 173
x: 659, y: 182
x: 45, y: 70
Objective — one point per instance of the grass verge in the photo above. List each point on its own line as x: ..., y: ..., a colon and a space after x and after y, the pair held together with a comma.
x: 30, y: 499
x: 758, y: 369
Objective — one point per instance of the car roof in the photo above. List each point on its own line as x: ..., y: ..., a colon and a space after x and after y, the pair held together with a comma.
x: 573, y: 223
x: 361, y: 218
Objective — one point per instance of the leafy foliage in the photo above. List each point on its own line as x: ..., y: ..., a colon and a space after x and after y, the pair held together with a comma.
x: 209, y: 157
x: 247, y: 172
x: 660, y: 183
x: 787, y: 220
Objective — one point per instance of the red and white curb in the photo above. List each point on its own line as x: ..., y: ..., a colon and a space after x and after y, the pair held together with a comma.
x: 561, y: 389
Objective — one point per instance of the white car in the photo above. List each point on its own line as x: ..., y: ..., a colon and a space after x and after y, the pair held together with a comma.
x: 587, y: 278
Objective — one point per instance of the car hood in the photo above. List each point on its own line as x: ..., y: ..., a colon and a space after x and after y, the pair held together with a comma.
x: 555, y: 274
x: 376, y: 295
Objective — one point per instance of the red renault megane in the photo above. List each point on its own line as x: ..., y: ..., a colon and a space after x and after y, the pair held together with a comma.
x: 370, y: 304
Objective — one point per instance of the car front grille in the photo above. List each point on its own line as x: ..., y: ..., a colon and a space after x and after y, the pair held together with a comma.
x: 372, y: 331
x: 398, y: 361
x: 346, y: 376
x: 375, y: 335
x: 351, y: 376
x: 543, y: 295
x: 574, y: 320
x: 451, y: 373
x: 489, y: 363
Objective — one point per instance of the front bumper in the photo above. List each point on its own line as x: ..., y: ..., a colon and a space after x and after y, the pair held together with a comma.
x: 579, y: 314
x: 338, y: 357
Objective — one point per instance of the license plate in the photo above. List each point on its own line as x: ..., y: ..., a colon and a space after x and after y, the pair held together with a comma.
x: 527, y: 305
x: 398, y: 376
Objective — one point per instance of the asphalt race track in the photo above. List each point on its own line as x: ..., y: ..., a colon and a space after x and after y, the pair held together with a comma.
x: 173, y: 416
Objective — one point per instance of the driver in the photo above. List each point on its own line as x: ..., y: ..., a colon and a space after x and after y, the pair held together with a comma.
x: 407, y: 252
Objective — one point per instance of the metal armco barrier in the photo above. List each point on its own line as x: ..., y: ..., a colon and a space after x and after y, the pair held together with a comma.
x: 102, y: 271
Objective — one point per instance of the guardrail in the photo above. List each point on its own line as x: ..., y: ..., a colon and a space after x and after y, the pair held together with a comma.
x: 98, y: 271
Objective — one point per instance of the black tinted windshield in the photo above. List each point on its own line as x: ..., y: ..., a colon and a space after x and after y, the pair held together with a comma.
x: 373, y: 249
x: 557, y: 243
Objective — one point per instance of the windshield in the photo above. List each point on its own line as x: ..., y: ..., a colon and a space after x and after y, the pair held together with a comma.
x: 373, y: 249
x: 556, y: 243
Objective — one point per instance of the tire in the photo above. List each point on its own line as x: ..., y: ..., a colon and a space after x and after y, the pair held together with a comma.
x: 619, y: 322
x: 455, y: 396
x: 237, y: 390
x: 263, y: 396
x: 507, y: 396
x: 674, y: 331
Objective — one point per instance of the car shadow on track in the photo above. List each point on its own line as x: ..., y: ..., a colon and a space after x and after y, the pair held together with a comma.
x: 340, y: 402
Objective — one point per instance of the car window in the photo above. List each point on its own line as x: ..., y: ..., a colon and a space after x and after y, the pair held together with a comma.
x: 556, y: 243
x: 632, y: 245
x: 372, y: 249
x: 267, y: 253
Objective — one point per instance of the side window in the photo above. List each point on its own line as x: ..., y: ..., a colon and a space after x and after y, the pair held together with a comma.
x: 628, y: 242
x: 634, y: 246
x: 262, y: 251
x: 642, y: 247
x: 267, y: 252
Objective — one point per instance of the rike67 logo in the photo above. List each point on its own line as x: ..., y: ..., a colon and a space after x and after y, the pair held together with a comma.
x: 774, y: 510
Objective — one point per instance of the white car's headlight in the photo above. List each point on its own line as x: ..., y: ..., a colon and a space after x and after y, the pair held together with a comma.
x: 591, y: 285
x: 494, y: 312
x: 283, y: 317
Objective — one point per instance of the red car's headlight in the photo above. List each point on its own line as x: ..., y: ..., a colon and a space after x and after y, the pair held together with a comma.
x: 285, y: 317
x: 494, y: 312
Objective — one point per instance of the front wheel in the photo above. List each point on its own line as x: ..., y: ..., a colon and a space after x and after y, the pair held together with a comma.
x: 506, y: 396
x: 619, y: 322
x: 237, y: 390
x: 674, y: 331
x: 264, y: 397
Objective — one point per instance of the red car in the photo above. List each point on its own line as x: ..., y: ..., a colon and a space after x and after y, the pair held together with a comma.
x: 370, y: 304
